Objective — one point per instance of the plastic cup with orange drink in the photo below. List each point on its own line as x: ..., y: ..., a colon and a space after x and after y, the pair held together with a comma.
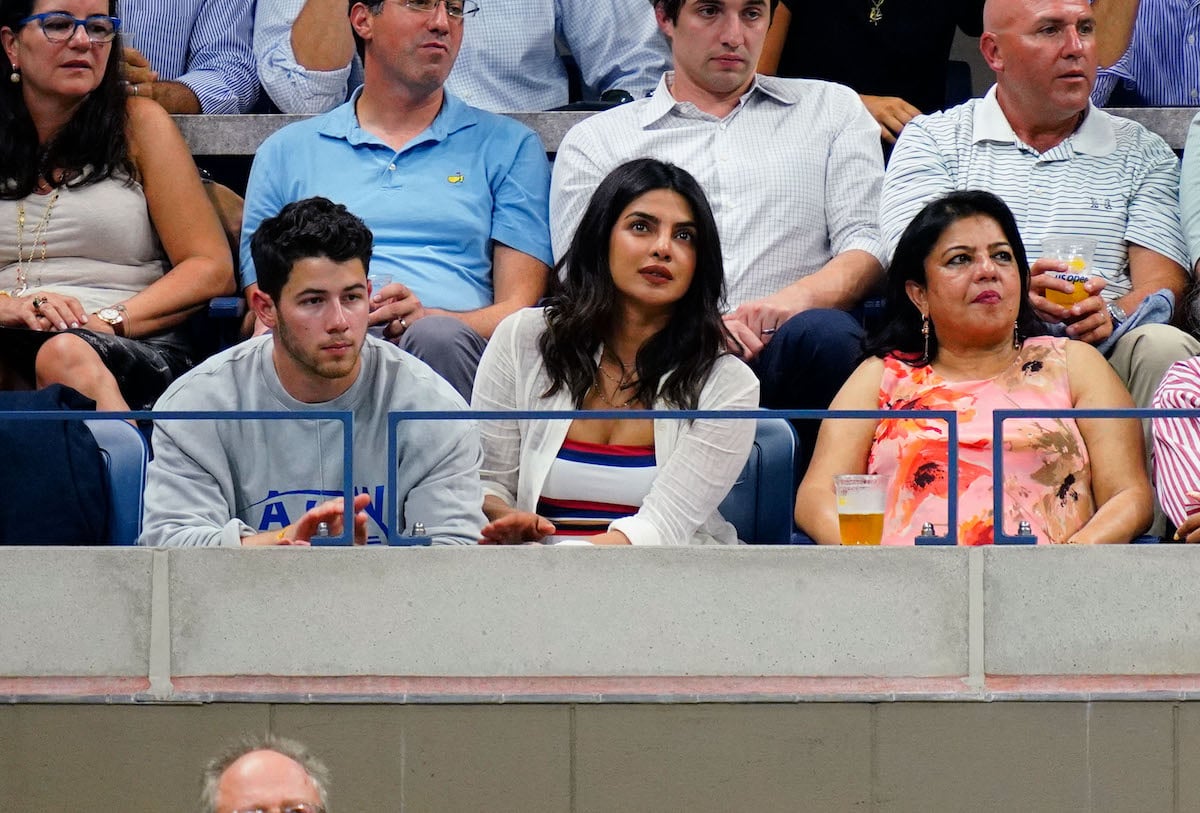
x: 1077, y: 253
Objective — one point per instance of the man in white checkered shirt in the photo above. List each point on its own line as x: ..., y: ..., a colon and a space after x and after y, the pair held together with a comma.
x: 509, y: 59
x: 792, y: 168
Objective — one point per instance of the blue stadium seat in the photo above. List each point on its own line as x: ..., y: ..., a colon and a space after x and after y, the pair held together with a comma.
x: 125, y: 455
x: 760, y: 503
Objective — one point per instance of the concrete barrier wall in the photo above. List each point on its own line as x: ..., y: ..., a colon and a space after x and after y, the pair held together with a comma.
x: 720, y: 622
x: 581, y: 679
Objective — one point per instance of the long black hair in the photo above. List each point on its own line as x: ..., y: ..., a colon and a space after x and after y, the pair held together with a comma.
x: 90, y: 147
x: 580, y: 312
x: 900, y: 331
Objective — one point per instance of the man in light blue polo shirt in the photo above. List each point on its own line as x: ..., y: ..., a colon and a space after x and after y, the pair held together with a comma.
x: 457, y: 197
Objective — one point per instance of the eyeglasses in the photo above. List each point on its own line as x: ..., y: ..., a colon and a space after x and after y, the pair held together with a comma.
x: 302, y: 807
x: 454, y: 8
x: 58, y: 26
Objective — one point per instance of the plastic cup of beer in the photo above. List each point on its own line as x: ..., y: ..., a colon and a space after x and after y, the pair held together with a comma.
x: 860, y: 501
x: 1077, y: 253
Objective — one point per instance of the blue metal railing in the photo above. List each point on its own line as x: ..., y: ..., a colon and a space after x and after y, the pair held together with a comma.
x: 345, y: 418
x: 395, y: 531
x: 1001, y: 415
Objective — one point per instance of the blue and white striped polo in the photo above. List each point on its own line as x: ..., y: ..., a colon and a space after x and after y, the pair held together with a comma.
x: 1112, y: 180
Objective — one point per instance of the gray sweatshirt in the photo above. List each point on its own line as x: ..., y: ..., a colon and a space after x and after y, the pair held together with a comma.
x: 213, y: 482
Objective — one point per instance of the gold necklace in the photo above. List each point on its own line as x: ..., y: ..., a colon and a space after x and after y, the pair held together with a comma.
x: 600, y: 392
x: 622, y: 384
x: 876, y: 12
x: 39, y: 236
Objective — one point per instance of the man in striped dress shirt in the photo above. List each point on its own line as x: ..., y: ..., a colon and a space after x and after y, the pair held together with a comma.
x: 190, y: 56
x: 1065, y: 168
x: 1162, y: 66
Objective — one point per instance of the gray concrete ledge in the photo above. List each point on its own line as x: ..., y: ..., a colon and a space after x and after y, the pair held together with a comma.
x: 492, y: 625
x: 241, y: 135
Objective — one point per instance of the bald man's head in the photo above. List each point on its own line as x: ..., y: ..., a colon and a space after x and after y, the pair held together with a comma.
x: 997, y: 14
x: 267, y: 773
x: 1044, y: 55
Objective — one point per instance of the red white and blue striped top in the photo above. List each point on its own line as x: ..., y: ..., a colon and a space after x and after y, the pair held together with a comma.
x: 592, y: 484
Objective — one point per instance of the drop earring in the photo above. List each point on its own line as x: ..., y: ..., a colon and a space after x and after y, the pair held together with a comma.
x: 1016, y: 336
x: 925, y: 334
x: 15, y: 76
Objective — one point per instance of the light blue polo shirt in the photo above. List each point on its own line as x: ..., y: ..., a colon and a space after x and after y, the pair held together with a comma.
x: 435, y: 206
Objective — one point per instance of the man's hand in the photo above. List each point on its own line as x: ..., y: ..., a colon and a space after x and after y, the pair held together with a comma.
x: 305, y: 528
x: 755, y: 323
x: 516, y: 528
x: 1087, y: 320
x: 395, y: 307
x: 891, y: 112
x: 749, y: 344
x: 136, y: 69
x: 1189, y: 529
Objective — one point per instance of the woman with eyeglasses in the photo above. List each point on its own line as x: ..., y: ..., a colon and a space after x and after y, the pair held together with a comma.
x: 634, y: 325
x: 107, y: 238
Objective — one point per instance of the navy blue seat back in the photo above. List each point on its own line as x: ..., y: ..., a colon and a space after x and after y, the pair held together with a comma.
x: 123, y: 449
x: 760, y: 503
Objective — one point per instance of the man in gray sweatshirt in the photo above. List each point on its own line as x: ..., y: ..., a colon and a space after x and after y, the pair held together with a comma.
x: 270, y: 482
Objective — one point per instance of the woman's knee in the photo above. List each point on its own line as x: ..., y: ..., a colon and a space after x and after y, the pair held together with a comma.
x: 64, y: 356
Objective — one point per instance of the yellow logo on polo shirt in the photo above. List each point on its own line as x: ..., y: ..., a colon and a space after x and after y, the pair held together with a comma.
x: 455, y: 178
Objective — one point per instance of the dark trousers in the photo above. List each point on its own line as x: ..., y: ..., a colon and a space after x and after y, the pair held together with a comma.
x: 805, y: 364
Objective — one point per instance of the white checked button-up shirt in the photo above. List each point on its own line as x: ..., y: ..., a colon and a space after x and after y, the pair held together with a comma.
x: 793, y: 174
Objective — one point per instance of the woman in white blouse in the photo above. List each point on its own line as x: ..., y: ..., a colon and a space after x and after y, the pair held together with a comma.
x: 635, y: 324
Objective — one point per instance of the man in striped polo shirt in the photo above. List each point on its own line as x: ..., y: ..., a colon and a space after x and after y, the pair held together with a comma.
x: 1065, y: 168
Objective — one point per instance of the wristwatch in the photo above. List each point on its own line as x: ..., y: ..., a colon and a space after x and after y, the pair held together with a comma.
x: 115, y: 315
x: 1117, y: 314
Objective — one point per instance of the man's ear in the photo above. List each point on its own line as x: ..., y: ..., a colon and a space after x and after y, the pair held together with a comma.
x: 990, y: 48
x: 917, y: 295
x: 262, y: 305
x: 361, y: 20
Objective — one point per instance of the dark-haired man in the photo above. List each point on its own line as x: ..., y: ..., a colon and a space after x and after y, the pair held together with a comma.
x: 456, y: 196
x: 268, y: 482
x: 792, y: 168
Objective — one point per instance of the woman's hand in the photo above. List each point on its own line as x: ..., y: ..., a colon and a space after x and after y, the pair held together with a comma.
x: 516, y: 528
x: 43, y: 310
x: 395, y: 307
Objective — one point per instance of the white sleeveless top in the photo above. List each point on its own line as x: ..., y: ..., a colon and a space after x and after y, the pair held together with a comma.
x: 100, y: 245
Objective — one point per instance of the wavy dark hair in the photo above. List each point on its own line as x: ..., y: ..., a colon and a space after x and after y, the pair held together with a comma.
x: 93, y: 140
x: 581, y: 310
x: 900, y: 331
x: 311, y: 227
